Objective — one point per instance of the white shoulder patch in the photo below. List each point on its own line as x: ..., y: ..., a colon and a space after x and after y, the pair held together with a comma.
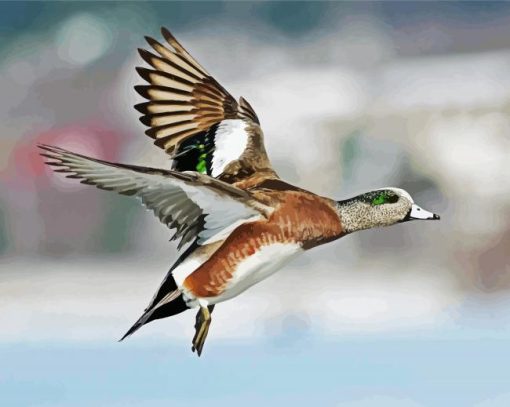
x: 230, y: 142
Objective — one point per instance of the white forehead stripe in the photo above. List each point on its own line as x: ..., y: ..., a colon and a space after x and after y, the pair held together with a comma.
x: 230, y: 142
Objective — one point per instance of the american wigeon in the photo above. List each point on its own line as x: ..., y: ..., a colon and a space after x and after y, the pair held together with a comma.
x: 240, y: 220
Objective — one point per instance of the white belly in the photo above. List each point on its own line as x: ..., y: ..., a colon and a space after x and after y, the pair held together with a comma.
x: 255, y: 268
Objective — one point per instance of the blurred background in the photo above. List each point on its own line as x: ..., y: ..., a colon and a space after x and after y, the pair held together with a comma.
x: 351, y: 96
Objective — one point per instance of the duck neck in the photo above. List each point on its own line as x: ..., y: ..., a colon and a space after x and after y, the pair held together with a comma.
x: 354, y: 215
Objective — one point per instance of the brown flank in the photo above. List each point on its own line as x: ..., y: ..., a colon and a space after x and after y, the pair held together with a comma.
x: 299, y: 217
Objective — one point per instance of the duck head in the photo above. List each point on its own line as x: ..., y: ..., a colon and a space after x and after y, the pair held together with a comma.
x: 382, y: 207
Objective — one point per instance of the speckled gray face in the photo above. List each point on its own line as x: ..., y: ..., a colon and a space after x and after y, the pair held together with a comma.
x: 382, y: 207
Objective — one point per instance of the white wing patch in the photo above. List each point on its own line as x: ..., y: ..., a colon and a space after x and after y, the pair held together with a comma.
x: 230, y: 142
x: 224, y: 233
x: 220, y: 211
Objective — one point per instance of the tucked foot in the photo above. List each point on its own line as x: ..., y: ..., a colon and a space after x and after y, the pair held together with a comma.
x: 203, y: 320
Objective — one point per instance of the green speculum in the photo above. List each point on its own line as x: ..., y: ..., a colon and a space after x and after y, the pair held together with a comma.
x: 201, y: 166
x: 202, y: 163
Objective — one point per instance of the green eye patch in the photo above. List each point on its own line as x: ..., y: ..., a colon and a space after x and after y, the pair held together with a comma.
x: 383, y: 198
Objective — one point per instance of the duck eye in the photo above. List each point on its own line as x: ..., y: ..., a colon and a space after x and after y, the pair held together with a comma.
x: 384, y: 197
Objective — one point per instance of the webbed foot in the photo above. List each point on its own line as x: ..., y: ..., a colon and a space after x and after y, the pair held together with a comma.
x: 203, y: 320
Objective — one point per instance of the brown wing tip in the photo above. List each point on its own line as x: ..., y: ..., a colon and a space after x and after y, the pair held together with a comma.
x: 142, y: 107
x: 146, y: 55
x: 144, y: 73
x: 154, y: 44
x: 52, y: 157
x: 47, y: 150
x: 248, y: 110
x: 146, y: 120
x: 143, y: 90
x: 152, y: 133
x: 44, y: 147
x: 151, y: 41
x: 168, y: 36
x: 163, y: 143
x: 48, y: 157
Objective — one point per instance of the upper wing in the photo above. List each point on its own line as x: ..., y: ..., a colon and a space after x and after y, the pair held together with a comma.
x: 198, y: 206
x: 195, y: 119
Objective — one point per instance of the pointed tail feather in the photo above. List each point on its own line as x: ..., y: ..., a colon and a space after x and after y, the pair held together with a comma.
x: 137, y: 325
x: 169, y: 305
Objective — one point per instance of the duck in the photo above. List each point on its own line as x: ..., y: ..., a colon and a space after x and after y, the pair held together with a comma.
x: 235, y: 220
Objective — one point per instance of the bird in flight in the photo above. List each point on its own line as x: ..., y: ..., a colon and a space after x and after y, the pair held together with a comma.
x: 236, y: 221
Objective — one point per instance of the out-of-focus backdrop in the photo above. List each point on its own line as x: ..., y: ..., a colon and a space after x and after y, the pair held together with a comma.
x: 352, y: 96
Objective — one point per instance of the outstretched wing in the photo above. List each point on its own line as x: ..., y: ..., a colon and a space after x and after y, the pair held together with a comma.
x: 195, y: 120
x: 196, y: 205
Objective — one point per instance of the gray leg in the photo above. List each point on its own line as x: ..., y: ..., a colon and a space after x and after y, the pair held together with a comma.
x: 203, y: 320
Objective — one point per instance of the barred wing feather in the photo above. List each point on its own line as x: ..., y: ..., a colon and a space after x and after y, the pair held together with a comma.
x: 195, y: 120
x: 196, y: 205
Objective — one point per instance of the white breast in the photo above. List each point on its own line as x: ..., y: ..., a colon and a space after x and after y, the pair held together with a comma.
x: 257, y: 267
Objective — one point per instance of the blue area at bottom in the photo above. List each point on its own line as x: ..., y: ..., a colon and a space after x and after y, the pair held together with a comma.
x: 429, y: 372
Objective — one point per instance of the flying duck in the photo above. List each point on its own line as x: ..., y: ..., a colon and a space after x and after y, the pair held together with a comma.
x: 238, y: 220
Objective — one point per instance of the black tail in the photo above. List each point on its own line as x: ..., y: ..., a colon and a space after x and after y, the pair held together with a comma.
x: 175, y: 305
x: 168, y: 300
